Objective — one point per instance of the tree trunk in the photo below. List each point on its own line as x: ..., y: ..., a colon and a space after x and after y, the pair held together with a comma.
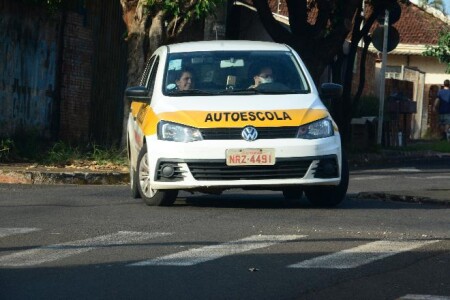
x: 135, y: 22
x: 156, y: 33
x: 135, y: 68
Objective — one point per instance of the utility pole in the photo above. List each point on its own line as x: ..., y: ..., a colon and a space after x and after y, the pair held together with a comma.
x: 382, y: 77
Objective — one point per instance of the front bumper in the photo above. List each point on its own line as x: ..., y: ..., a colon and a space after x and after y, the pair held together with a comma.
x: 200, y: 165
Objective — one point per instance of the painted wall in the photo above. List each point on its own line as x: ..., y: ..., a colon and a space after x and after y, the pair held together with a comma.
x: 28, y: 53
x: 435, y: 71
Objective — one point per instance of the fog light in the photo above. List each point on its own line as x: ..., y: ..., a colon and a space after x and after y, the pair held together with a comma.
x: 329, y: 168
x: 167, y: 171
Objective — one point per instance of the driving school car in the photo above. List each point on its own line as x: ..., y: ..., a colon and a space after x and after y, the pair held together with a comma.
x: 226, y: 131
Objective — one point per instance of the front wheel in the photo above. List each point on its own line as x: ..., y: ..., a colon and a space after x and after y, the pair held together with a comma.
x: 135, y: 194
x: 151, y: 196
x: 330, y: 196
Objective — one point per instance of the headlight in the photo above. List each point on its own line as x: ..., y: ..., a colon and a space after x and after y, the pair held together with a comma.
x: 316, y: 130
x: 168, y: 131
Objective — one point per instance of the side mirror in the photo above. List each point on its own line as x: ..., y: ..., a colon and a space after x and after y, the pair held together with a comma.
x: 137, y: 94
x: 330, y: 90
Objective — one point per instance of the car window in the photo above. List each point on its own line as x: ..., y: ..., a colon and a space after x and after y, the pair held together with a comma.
x: 147, y: 69
x: 231, y: 72
x: 152, y: 76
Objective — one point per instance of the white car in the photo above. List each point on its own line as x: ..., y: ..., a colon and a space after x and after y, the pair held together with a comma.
x: 214, y: 115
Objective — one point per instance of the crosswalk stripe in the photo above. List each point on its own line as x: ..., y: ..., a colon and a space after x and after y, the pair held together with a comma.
x: 361, y: 255
x: 13, y: 231
x: 200, y: 255
x: 58, y: 251
x: 424, y: 297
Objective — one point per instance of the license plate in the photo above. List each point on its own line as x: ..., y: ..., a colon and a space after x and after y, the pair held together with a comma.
x: 250, y: 157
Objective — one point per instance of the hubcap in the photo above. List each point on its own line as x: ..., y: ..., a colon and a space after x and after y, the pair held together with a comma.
x: 144, y: 177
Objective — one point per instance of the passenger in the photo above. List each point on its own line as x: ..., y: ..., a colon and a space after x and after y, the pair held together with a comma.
x: 185, y: 80
x: 261, y: 75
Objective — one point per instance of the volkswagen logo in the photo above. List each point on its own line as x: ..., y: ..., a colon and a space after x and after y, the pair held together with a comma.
x: 249, y: 133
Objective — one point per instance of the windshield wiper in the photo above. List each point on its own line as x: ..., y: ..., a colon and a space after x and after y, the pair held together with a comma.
x: 254, y: 91
x: 191, y: 92
x: 283, y: 91
x: 250, y: 91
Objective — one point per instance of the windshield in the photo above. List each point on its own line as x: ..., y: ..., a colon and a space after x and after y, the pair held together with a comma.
x: 233, y: 72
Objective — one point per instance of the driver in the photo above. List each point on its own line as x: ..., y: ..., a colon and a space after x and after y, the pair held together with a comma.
x: 185, y: 80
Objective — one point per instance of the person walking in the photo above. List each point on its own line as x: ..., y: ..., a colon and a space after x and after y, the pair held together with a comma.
x: 442, y: 107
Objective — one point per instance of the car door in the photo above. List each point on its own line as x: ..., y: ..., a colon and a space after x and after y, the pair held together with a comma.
x: 138, y: 110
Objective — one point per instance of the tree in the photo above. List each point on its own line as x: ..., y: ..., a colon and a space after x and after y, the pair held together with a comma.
x: 437, y: 4
x: 320, y: 43
x: 152, y: 23
x: 442, y: 50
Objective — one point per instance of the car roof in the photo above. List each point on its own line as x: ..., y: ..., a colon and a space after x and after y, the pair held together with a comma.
x: 226, y: 45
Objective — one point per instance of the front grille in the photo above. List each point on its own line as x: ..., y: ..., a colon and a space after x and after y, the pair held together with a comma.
x: 283, y: 169
x: 263, y: 133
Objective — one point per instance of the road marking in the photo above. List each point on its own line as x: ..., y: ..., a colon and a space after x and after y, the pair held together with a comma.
x: 408, y: 170
x: 370, y: 177
x: 58, y: 251
x: 361, y: 255
x: 13, y: 231
x: 423, y: 297
x: 200, y: 255
x: 438, y: 177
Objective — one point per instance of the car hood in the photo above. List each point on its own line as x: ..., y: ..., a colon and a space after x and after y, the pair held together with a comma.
x: 239, y: 111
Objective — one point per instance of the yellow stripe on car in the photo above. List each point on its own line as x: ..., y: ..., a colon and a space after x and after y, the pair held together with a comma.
x: 147, y: 119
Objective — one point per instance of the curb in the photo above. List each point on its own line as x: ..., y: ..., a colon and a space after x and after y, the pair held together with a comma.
x: 400, y: 198
x: 77, y: 177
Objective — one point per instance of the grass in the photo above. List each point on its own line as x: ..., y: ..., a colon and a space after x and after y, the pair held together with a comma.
x: 432, y: 145
x: 64, y: 154
x: 60, y: 153
x: 5, y: 148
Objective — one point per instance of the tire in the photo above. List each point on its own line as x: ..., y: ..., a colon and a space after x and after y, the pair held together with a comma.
x: 292, y: 196
x: 135, y: 194
x: 330, y: 196
x: 150, y: 196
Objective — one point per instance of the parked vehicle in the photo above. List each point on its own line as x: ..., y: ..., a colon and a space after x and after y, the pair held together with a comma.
x: 205, y: 118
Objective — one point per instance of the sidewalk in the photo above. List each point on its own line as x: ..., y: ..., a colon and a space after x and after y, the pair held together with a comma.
x: 33, y: 174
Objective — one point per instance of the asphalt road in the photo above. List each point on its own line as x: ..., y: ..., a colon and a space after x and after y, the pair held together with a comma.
x: 94, y: 242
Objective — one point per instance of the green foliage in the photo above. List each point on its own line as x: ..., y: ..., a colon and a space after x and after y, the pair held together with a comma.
x: 26, y: 147
x: 183, y: 8
x: 61, y: 154
x: 65, y: 154
x: 103, y: 155
x: 6, y: 147
x: 432, y: 145
x: 442, y: 50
